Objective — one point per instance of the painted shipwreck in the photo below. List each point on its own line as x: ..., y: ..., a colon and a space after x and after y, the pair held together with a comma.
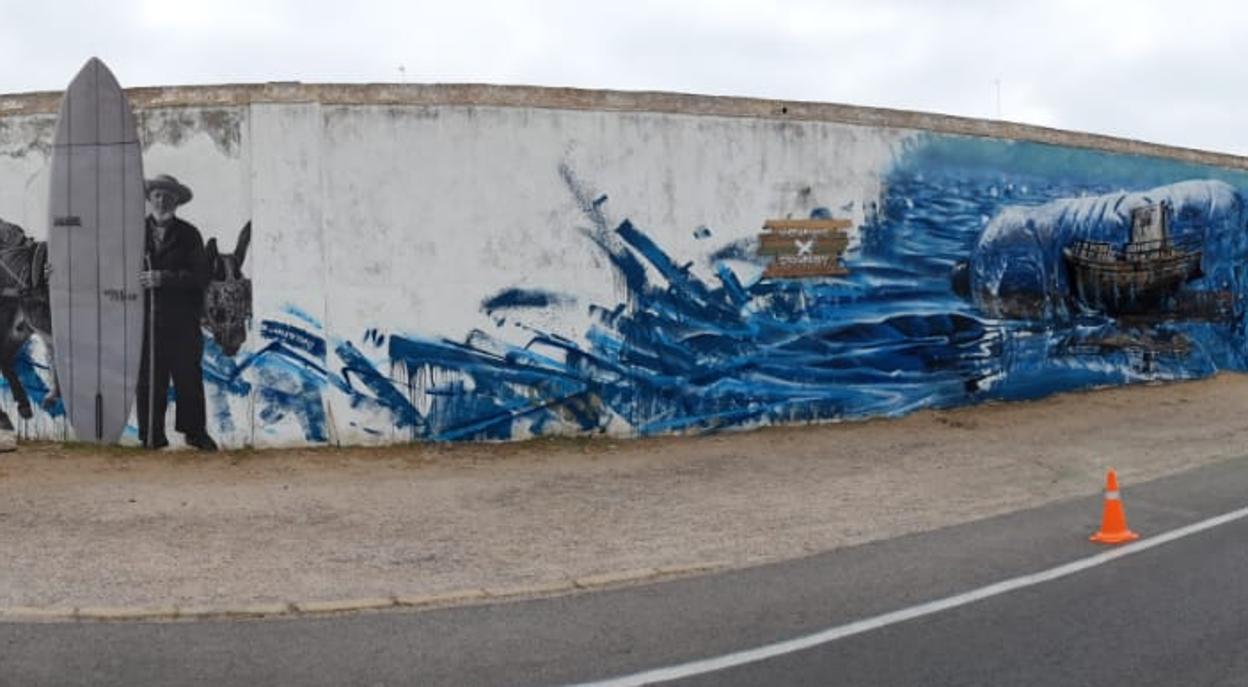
x: 1143, y: 276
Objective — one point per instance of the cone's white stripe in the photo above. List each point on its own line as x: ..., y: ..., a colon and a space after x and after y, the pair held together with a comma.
x: 831, y: 634
x: 1112, y: 496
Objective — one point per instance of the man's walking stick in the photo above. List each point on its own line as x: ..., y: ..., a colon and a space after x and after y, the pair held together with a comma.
x: 150, y: 440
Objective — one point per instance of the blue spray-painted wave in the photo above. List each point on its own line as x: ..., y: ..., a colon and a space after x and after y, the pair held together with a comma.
x: 289, y: 379
x: 681, y: 352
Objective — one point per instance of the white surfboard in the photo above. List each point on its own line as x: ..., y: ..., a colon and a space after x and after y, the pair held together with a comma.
x: 95, y: 249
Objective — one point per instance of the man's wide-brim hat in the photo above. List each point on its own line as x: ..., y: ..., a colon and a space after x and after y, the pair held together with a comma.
x: 166, y: 182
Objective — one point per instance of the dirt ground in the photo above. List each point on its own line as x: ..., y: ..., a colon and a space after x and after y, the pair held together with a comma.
x: 122, y: 527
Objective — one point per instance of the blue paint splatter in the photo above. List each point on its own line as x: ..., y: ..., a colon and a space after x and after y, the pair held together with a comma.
x: 290, y: 379
x: 303, y: 315
x: 293, y: 337
x: 356, y: 366
x: 31, y: 374
x: 524, y: 298
x: 285, y: 388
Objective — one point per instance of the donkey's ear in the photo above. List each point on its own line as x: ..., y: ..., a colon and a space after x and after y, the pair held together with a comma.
x: 214, y: 255
x: 244, y: 240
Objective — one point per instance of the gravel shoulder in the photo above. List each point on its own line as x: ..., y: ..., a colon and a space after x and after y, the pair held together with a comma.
x: 114, y: 527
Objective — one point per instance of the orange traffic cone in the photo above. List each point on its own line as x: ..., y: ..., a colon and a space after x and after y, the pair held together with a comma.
x: 1114, y: 519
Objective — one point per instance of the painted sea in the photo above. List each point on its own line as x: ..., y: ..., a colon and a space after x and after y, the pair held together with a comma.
x: 679, y: 352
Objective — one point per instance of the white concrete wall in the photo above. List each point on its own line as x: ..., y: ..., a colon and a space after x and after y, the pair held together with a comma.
x: 403, y: 219
x: 372, y: 221
x: 430, y: 211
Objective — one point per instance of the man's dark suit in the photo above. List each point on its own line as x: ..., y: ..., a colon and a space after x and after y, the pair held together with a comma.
x: 179, y: 303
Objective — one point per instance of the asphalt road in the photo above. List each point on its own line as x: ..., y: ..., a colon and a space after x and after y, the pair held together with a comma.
x: 1175, y: 614
x: 1151, y: 619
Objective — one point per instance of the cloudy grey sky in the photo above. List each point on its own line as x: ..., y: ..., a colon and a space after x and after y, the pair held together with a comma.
x: 1168, y: 72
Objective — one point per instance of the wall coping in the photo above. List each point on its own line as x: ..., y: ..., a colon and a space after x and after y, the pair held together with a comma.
x: 486, y: 95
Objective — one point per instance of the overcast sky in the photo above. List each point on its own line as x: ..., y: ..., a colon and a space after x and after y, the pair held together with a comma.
x: 1164, y: 72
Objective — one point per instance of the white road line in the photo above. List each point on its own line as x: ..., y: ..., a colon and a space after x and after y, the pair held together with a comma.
x: 832, y: 634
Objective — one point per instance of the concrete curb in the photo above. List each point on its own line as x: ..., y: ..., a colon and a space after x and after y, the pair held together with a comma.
x: 459, y: 597
x: 621, y: 577
x: 124, y: 612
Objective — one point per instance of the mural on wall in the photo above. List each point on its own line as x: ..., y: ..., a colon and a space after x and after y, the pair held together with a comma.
x: 206, y: 299
x: 964, y: 270
x: 968, y: 282
x: 286, y: 376
x: 174, y: 280
x: 198, y: 299
x: 227, y: 297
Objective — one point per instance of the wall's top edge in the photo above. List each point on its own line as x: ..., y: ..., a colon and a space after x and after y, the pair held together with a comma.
x: 614, y: 101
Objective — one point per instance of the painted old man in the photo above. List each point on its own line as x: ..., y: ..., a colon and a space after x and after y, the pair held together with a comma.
x: 174, y: 280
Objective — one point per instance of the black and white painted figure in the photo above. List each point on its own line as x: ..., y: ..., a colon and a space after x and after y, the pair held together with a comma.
x: 176, y: 277
x: 24, y: 311
x: 227, y: 301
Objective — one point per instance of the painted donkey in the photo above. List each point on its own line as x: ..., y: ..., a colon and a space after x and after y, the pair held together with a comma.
x: 25, y: 308
x: 227, y: 300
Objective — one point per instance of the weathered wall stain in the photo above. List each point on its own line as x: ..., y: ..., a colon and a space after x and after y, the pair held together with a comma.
x: 174, y: 126
x: 23, y: 136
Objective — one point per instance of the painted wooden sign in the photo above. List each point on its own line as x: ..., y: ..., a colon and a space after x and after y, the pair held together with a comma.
x: 804, y: 247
